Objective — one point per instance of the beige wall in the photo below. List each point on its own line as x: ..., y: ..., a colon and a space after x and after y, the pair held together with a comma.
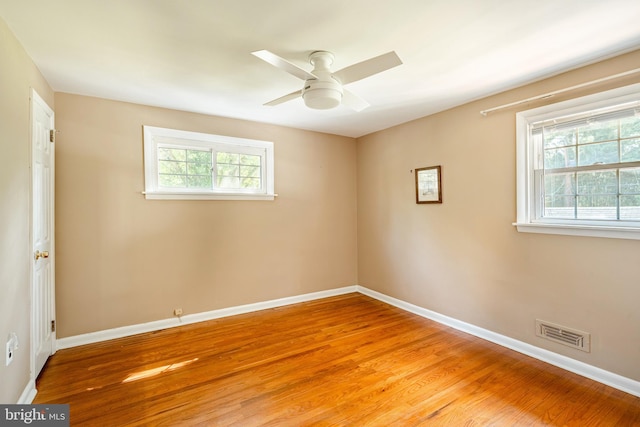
x: 124, y: 260
x: 18, y: 75
x: 464, y: 259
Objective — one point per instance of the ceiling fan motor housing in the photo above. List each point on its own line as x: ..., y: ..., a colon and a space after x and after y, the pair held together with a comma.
x: 322, y: 94
x: 325, y: 92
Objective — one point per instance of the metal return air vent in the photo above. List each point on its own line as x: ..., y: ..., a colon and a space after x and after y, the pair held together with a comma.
x: 563, y: 335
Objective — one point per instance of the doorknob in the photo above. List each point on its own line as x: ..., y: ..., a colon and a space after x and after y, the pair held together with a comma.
x: 43, y: 254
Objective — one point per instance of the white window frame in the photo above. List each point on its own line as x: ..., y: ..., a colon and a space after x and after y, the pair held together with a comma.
x: 155, y: 137
x: 529, y: 192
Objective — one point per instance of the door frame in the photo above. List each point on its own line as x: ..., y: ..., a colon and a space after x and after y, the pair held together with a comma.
x: 34, y: 99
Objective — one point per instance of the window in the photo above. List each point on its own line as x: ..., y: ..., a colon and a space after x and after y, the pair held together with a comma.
x: 189, y: 165
x: 578, y: 166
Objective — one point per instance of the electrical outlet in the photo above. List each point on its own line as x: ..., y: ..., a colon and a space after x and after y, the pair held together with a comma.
x: 9, y: 352
x: 12, y: 346
x: 177, y: 312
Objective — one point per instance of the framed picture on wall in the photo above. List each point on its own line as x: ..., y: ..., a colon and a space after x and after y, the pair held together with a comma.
x: 429, y: 185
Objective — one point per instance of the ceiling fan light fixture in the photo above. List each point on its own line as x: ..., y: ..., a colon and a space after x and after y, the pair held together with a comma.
x: 322, y: 88
x: 322, y: 95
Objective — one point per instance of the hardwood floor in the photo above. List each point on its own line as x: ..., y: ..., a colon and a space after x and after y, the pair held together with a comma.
x: 341, y: 361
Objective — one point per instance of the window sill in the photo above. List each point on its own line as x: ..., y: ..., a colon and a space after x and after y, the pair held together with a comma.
x: 162, y: 195
x: 580, y: 230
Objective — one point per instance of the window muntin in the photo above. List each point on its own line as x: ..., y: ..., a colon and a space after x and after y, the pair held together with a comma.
x: 184, y: 168
x: 238, y: 171
x: 190, y: 165
x: 579, y: 166
x: 572, y: 188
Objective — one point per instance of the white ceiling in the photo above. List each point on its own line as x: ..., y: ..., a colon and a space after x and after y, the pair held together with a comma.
x: 195, y: 55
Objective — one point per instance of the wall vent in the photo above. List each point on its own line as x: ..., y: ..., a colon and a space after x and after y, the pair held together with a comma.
x: 563, y: 335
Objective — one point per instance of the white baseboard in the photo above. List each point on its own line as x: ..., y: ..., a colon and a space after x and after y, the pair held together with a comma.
x: 609, y: 378
x: 157, y: 325
x: 28, y: 394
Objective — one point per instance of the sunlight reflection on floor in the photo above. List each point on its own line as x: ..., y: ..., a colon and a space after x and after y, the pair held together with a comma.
x: 156, y: 371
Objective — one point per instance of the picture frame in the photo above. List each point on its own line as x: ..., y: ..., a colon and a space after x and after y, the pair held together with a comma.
x: 429, y: 184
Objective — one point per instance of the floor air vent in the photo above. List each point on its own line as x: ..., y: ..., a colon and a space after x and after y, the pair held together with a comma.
x: 563, y: 335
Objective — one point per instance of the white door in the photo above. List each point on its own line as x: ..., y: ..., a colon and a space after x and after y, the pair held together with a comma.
x: 42, y: 261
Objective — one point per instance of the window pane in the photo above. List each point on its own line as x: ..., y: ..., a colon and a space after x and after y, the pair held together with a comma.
x: 560, y: 158
x: 239, y: 171
x: 250, y: 182
x: 630, y: 207
x: 172, y: 154
x: 597, y: 207
x: 597, y: 182
x: 199, y: 181
x: 198, y: 169
x: 249, y: 160
x: 228, y: 170
x: 171, y: 167
x: 560, y: 184
x: 599, y: 131
x: 229, y: 158
x: 559, y: 195
x: 596, y: 154
x: 250, y: 171
x: 228, y: 182
x: 198, y: 156
x: 630, y: 181
x: 630, y: 150
x: 630, y: 126
x: 184, y: 168
x: 560, y: 207
x: 172, y: 181
x: 559, y: 138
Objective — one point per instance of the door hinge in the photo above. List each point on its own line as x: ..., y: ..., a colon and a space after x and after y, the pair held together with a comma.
x: 53, y: 326
x: 52, y: 135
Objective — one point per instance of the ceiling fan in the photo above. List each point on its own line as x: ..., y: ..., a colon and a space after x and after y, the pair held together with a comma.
x: 323, y: 88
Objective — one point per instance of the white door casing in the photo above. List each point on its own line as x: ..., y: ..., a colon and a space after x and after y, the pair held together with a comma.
x: 42, y: 234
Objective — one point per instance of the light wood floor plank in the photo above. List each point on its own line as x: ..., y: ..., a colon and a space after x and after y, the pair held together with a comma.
x: 342, y: 361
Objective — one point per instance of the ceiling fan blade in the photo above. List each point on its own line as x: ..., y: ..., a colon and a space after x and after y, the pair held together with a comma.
x: 353, y: 101
x: 283, y: 64
x: 367, y: 68
x: 289, y: 97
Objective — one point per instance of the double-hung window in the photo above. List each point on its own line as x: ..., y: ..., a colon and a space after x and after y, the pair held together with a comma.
x: 190, y: 165
x: 579, y: 166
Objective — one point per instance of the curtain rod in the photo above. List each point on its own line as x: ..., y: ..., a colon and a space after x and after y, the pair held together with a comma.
x: 556, y: 92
